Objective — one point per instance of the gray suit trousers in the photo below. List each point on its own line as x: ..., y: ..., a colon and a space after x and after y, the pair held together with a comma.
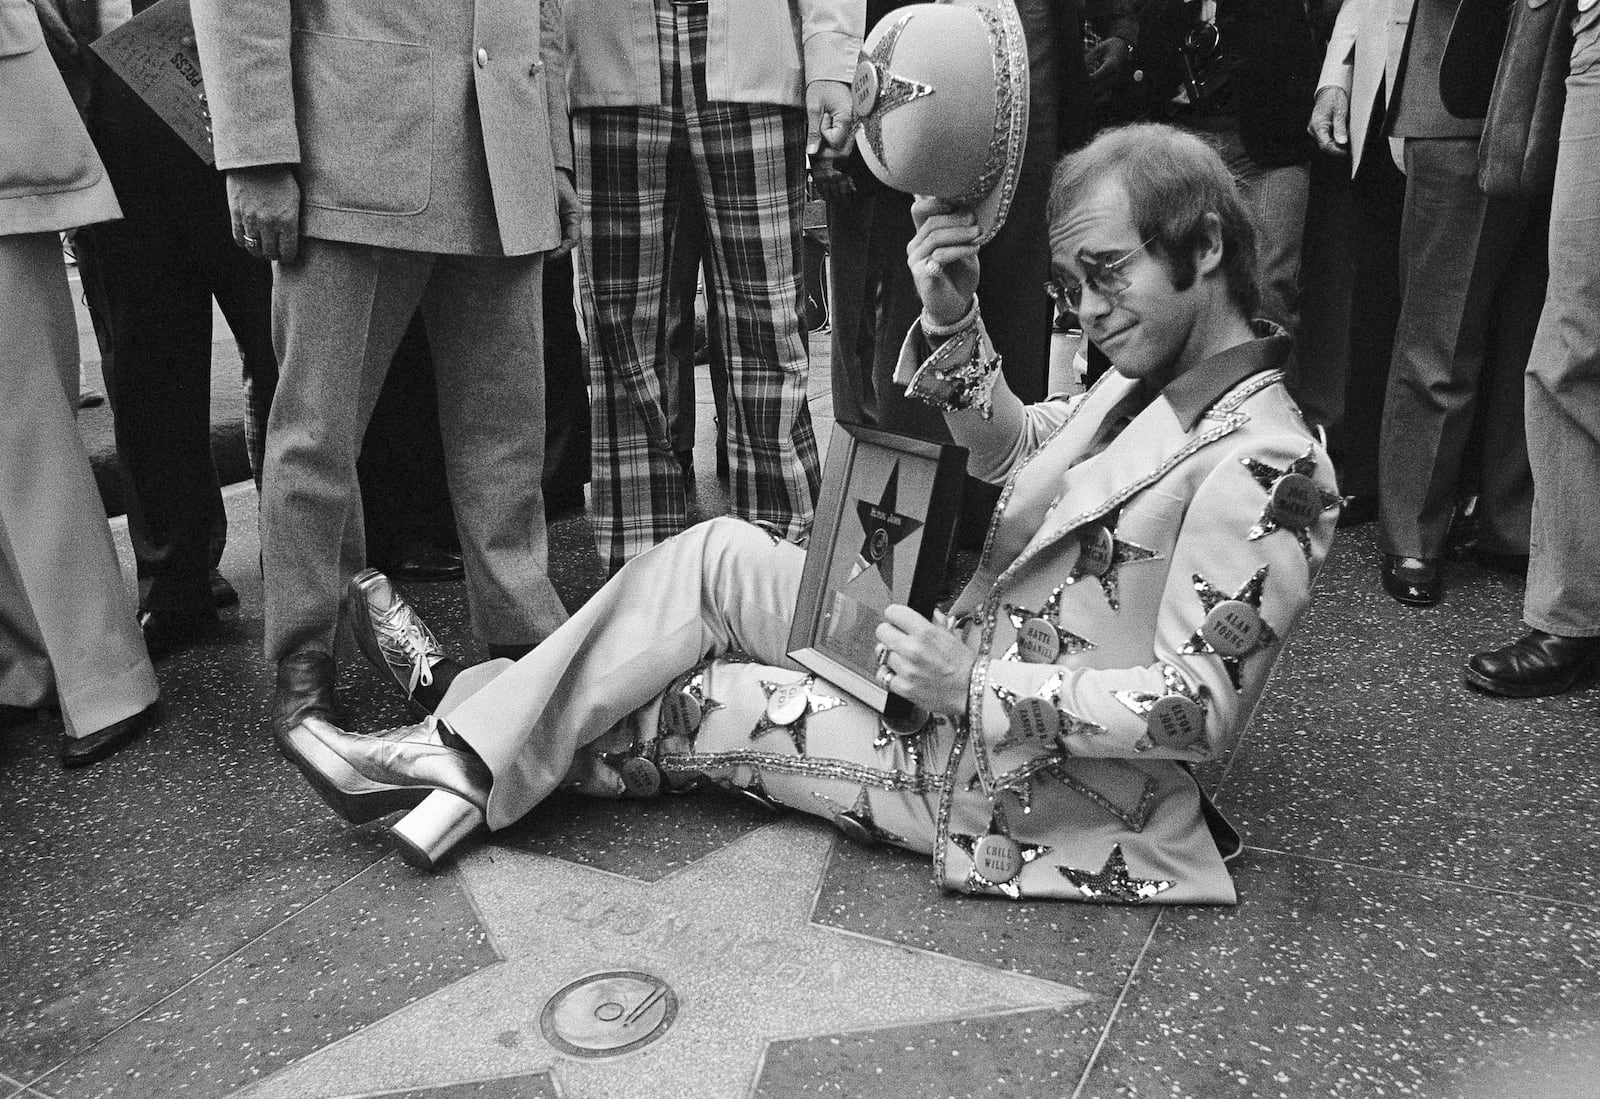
x: 64, y: 610
x: 1472, y: 268
x: 338, y: 313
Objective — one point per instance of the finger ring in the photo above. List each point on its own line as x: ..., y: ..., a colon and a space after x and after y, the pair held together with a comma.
x: 250, y: 241
x: 884, y: 676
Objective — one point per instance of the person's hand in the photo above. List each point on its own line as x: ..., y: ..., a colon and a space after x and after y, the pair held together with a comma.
x: 831, y: 184
x: 570, y: 212
x: 1108, y: 59
x: 1330, y: 121
x: 830, y: 116
x: 926, y: 663
x: 943, y: 257
x: 264, y: 203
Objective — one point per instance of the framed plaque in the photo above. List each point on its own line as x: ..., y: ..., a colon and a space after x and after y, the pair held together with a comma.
x: 882, y: 535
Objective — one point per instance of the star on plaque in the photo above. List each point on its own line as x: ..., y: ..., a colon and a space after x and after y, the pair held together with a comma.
x: 788, y: 707
x: 1040, y: 638
x: 1101, y: 554
x: 856, y: 821
x: 1294, y: 500
x: 1233, y: 627
x: 1174, y: 718
x: 996, y: 857
x: 876, y: 91
x: 884, y: 529
x: 1038, y: 719
x: 1112, y: 882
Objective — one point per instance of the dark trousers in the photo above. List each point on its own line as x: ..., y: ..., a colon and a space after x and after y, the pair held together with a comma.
x: 153, y: 276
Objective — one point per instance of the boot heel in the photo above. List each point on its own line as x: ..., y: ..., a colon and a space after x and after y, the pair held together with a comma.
x: 427, y: 833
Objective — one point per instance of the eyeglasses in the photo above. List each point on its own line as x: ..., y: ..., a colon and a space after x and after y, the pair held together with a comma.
x: 1104, y: 277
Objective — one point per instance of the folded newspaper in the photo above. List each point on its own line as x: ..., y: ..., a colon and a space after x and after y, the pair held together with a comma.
x: 154, y: 52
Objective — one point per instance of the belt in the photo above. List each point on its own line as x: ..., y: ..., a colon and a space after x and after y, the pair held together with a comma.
x: 688, y: 3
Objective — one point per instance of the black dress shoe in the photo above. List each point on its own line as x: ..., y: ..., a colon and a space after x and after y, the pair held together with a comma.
x: 1413, y: 581
x: 304, y: 687
x: 1356, y: 510
x: 1539, y: 664
x: 223, y: 593
x: 421, y: 563
x: 1514, y: 564
x: 166, y: 630
x: 84, y: 750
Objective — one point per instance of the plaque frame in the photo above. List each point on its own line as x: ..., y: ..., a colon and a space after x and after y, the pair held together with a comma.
x: 862, y: 467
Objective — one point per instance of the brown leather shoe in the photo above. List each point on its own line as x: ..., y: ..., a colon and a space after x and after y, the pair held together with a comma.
x: 305, y: 686
x: 1539, y: 664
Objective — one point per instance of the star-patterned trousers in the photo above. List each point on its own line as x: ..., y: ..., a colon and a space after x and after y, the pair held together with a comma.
x: 744, y: 165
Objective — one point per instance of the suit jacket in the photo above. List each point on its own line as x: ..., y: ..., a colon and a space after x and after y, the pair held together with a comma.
x: 432, y: 126
x: 757, y: 51
x: 1363, y: 57
x: 1135, y: 553
x: 51, y: 177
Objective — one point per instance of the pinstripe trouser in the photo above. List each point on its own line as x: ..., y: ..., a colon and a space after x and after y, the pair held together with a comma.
x: 745, y: 165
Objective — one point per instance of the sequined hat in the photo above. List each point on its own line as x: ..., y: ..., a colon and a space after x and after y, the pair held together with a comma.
x: 941, y: 92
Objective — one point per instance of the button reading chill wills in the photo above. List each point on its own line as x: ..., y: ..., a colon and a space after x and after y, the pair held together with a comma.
x: 998, y: 858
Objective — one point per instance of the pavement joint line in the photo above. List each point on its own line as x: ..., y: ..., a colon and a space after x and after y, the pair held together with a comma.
x: 1116, y: 1008
x: 212, y: 968
x: 1537, y: 898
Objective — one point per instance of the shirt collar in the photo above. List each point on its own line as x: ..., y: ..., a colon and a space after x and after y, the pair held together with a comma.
x: 1193, y: 392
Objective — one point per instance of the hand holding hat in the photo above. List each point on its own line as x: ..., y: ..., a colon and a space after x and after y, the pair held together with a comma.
x: 943, y: 257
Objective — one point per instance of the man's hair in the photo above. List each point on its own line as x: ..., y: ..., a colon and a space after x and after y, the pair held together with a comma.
x: 1173, y: 179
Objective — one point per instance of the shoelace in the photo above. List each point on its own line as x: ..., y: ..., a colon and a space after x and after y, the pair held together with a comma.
x: 416, y: 645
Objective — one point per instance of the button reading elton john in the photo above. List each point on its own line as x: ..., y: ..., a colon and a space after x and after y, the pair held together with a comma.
x: 998, y: 858
x: 1036, y: 720
x: 1296, y: 501
x: 1174, y: 721
x: 787, y: 704
x: 681, y: 714
x: 1038, y: 641
x: 640, y: 777
x: 1233, y: 628
x: 864, y: 88
x: 1096, y: 549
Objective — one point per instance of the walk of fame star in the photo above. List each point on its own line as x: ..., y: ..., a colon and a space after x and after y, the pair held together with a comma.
x: 732, y: 933
x: 857, y: 822
x: 1177, y: 686
x: 1052, y: 636
x: 1249, y: 633
x: 1107, y: 567
x: 1294, y: 500
x: 1021, y: 853
x: 1043, y: 721
x: 877, y: 91
x: 883, y: 529
x: 1112, y: 882
x: 788, y: 707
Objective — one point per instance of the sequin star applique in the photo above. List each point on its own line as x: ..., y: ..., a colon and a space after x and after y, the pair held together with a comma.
x: 1113, y: 883
x: 856, y: 821
x: 1233, y: 626
x: 1040, y: 637
x: 683, y: 711
x: 883, y: 528
x: 755, y: 791
x: 914, y: 742
x: 1174, y: 719
x: 1294, y: 499
x: 877, y: 91
x: 1038, y: 719
x: 1101, y: 554
x: 788, y: 707
x: 996, y: 857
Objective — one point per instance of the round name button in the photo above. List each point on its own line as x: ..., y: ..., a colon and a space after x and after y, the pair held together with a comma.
x: 787, y: 704
x: 681, y: 714
x: 640, y: 777
x: 1036, y: 720
x: 1233, y: 628
x: 1175, y: 721
x: 1296, y: 501
x: 998, y: 858
x: 1095, y: 550
x: 1038, y: 641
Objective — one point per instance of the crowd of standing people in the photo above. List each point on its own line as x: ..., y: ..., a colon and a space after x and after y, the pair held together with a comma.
x: 403, y: 184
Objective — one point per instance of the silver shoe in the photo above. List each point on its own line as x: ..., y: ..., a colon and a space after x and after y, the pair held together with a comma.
x: 391, y: 635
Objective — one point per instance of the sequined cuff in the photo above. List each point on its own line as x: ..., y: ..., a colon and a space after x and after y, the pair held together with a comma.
x: 960, y: 373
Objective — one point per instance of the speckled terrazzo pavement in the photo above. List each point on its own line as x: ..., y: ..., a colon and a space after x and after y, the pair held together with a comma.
x: 1415, y: 918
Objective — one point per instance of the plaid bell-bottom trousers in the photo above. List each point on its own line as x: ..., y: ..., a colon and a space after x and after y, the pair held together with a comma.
x: 744, y: 164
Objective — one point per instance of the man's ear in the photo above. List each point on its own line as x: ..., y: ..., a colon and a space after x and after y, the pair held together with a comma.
x: 1208, y: 254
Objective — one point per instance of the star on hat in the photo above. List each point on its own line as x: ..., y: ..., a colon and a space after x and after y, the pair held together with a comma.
x: 877, y: 91
x: 1294, y: 500
x: 1112, y: 882
x: 784, y: 695
x: 1207, y: 637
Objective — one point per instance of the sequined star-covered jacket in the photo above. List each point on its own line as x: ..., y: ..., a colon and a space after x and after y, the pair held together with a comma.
x: 1135, y: 589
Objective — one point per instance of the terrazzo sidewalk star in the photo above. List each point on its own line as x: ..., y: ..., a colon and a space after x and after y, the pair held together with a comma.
x: 731, y: 936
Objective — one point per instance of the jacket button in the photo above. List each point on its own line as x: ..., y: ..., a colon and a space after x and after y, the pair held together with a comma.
x: 483, y: 57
